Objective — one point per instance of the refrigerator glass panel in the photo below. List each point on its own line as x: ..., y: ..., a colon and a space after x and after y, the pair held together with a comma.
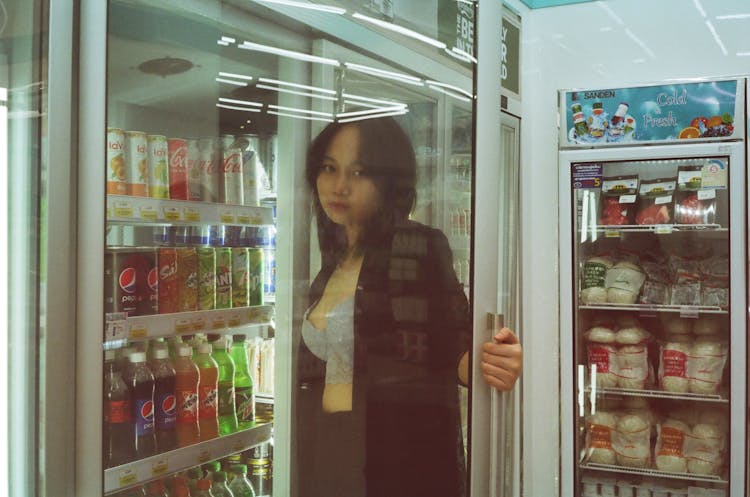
x: 212, y: 244
x: 651, y: 264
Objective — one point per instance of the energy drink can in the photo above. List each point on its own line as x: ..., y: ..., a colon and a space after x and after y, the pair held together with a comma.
x: 187, y: 275
x: 117, y: 182
x: 240, y: 280
x: 136, y: 156
x: 255, y: 277
x: 158, y: 168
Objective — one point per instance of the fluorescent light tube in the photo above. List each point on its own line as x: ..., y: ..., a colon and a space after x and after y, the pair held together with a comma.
x: 234, y: 107
x: 288, y: 53
x: 404, y: 78
x: 400, y: 29
x: 296, y: 85
x: 309, y: 6
x: 295, y: 92
x: 240, y: 102
x: 235, y: 75
x: 304, y: 111
x: 231, y: 82
x: 297, y: 116
x: 373, y: 116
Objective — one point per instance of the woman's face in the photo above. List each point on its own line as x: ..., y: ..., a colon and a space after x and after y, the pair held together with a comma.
x: 348, y: 196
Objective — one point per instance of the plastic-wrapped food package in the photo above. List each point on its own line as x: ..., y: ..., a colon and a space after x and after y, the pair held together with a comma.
x: 618, y: 200
x: 593, y: 278
x: 670, y: 446
x: 675, y: 325
x: 600, y: 334
x: 603, y: 357
x: 687, y: 293
x: 632, y: 441
x: 704, y: 449
x: 631, y: 335
x: 656, y: 287
x: 624, y: 281
x: 599, y: 438
x: 673, y: 363
x: 715, y: 296
x: 693, y: 204
x: 655, y: 201
x: 632, y: 367
x: 708, y: 324
x: 705, y: 366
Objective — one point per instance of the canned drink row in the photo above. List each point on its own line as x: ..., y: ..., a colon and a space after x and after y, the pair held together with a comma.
x: 216, y: 236
x: 225, y: 170
x: 144, y: 281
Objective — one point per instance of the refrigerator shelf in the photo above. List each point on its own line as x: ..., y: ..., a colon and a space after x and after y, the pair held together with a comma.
x: 119, y: 327
x: 659, y: 394
x: 653, y: 228
x: 159, y: 466
x: 684, y: 310
x: 653, y: 473
x: 153, y: 211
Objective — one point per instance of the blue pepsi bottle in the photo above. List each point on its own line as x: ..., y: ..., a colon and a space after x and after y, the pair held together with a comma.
x: 140, y: 381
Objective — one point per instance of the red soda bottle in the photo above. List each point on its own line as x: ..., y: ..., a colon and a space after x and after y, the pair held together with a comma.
x: 186, y: 392
x: 118, y: 435
x: 208, y: 393
x: 141, y: 384
x: 165, y: 404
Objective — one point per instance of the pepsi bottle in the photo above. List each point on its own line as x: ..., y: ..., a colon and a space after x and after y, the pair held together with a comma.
x: 165, y: 402
x: 117, y: 427
x: 140, y: 381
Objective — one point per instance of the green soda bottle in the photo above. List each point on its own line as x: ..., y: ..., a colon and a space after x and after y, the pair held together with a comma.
x: 240, y: 486
x: 244, y: 391
x: 220, y: 488
x: 227, y: 410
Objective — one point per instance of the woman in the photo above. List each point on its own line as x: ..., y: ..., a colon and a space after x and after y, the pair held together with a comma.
x: 385, y: 339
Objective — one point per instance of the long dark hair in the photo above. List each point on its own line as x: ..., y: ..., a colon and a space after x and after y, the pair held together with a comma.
x: 387, y: 157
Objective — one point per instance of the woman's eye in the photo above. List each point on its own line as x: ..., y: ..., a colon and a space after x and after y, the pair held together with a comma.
x: 327, y: 168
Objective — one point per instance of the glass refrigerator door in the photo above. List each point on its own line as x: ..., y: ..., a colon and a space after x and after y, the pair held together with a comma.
x: 211, y: 243
x: 652, y: 328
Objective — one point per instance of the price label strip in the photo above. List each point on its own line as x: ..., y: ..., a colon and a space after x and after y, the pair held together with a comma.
x: 172, y: 213
x: 182, y: 325
x: 226, y: 216
x: 123, y: 209
x: 127, y: 477
x: 159, y: 467
x: 192, y: 215
x: 116, y: 326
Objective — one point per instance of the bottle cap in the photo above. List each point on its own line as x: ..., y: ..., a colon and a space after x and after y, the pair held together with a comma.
x: 203, y: 484
x: 161, y: 353
x: 221, y: 343
x: 212, y: 466
x: 204, y: 348
x: 238, y: 338
x: 136, y: 357
x: 220, y: 476
x: 239, y: 468
x: 185, y: 350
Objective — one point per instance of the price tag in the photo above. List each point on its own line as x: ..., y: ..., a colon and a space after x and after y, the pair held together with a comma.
x: 172, y: 213
x: 688, y: 312
x: 148, y: 212
x: 159, y: 467
x: 235, y: 319
x: 627, y: 199
x: 664, y: 199
x: 123, y: 208
x: 204, y: 456
x: 127, y: 477
x: 138, y: 331
x: 116, y: 326
x: 182, y: 326
x: 199, y: 324
x: 192, y: 214
x: 256, y: 219
x: 226, y: 216
x: 663, y: 229
x: 243, y: 219
x: 612, y: 233
x: 706, y: 194
x: 218, y: 323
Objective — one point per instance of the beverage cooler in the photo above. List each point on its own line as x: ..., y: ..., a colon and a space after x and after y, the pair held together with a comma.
x: 653, y: 290
x: 195, y: 220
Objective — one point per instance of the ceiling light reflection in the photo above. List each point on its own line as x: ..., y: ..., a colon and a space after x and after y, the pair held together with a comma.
x: 240, y: 102
x: 373, y: 116
x: 298, y: 116
x: 303, y: 111
x: 461, y: 55
x: 256, y: 47
x: 450, y: 87
x: 371, y: 100
x: 638, y: 41
x: 294, y: 92
x: 376, y: 110
x: 308, y: 6
x: 450, y: 93
x: 733, y: 16
x: 235, y: 75
x: 231, y: 82
x: 611, y: 13
x: 297, y: 85
x: 699, y: 8
x: 404, y: 78
x: 400, y: 29
x: 716, y: 37
x: 234, y: 107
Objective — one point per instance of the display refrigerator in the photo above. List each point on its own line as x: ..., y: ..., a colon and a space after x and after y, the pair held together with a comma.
x: 653, y: 289
x: 195, y: 219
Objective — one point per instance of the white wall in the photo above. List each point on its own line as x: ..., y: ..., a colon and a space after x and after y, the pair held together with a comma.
x: 599, y: 44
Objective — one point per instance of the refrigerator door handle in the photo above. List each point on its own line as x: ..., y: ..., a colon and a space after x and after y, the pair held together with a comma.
x: 500, y: 456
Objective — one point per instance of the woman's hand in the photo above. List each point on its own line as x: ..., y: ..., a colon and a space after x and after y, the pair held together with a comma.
x: 502, y: 360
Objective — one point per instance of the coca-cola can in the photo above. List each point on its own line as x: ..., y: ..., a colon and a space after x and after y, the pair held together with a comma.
x: 117, y: 183
x: 231, y: 172
x: 178, y: 173
x: 136, y: 157
x: 169, y: 284
x: 209, y: 169
x: 251, y: 168
x: 130, y: 281
x: 187, y: 276
x: 193, y: 170
x: 158, y: 167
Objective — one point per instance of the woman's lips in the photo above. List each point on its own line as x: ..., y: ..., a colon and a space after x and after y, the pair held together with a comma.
x: 337, y: 206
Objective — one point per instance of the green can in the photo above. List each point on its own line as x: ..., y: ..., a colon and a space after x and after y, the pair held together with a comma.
x: 223, y: 278
x: 240, y: 273
x: 255, y: 277
x: 206, y: 278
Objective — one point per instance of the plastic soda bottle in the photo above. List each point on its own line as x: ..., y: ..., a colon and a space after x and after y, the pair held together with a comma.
x: 186, y: 393
x: 208, y: 390
x: 157, y: 488
x: 240, y: 486
x: 244, y: 392
x: 220, y: 488
x: 165, y: 404
x: 210, y: 468
x: 227, y: 411
x: 141, y: 384
x: 118, y: 434
x: 203, y: 489
x: 194, y: 474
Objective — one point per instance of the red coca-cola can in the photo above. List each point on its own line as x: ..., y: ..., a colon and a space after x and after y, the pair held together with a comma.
x: 130, y: 282
x: 169, y: 281
x: 178, y: 170
x: 231, y: 172
x: 194, y: 170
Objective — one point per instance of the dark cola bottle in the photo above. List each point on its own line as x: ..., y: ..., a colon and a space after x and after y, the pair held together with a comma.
x: 118, y: 432
x: 141, y: 384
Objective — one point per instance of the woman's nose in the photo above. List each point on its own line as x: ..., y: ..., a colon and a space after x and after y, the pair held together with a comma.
x: 341, y: 185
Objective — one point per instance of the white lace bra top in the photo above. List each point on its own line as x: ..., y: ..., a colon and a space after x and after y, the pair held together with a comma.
x: 335, y: 344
